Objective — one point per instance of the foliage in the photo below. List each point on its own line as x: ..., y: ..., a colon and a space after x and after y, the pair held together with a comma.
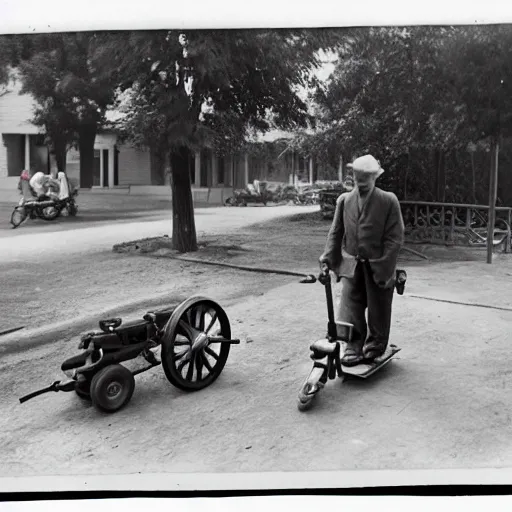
x: 244, y: 79
x: 419, y: 98
x: 59, y: 71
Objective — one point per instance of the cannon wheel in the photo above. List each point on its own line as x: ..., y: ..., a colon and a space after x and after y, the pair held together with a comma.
x: 192, y: 355
x: 112, y: 388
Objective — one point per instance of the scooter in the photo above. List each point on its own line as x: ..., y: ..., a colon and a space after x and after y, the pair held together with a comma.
x: 328, y: 352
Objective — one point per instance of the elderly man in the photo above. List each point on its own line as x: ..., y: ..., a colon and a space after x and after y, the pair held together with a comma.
x: 362, y: 249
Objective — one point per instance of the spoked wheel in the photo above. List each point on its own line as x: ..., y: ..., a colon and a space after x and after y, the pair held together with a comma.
x: 196, y: 344
x: 18, y: 216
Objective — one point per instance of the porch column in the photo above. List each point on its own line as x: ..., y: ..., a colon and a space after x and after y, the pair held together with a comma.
x: 111, y: 167
x: 311, y: 170
x: 215, y: 170
x: 246, y: 170
x: 27, y: 152
x: 340, y: 170
x: 197, y: 169
x: 102, y: 176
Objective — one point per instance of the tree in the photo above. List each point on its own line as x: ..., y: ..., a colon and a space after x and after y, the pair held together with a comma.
x: 380, y: 97
x: 59, y: 71
x: 422, y: 99
x: 235, y: 80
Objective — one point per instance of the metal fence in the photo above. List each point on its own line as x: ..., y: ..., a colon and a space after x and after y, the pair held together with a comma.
x: 456, y: 224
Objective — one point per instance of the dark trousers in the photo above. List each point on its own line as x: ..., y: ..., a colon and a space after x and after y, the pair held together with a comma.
x: 359, y: 294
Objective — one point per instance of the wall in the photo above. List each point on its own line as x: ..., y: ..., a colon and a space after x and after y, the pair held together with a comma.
x: 239, y: 170
x: 134, y: 166
x: 16, y: 110
x: 73, y: 165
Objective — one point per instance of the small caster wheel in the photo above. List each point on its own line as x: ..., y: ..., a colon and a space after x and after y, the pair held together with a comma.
x: 112, y: 388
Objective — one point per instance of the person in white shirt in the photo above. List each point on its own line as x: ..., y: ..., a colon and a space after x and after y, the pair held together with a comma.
x: 39, y: 184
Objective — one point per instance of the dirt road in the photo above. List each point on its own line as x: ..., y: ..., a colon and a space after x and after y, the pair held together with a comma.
x: 51, y: 276
x: 443, y: 404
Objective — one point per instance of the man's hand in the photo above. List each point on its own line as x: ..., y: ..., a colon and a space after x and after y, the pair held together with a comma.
x: 324, y: 263
x: 324, y: 266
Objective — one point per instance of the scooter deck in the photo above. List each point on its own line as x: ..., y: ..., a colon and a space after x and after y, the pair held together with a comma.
x: 364, y: 370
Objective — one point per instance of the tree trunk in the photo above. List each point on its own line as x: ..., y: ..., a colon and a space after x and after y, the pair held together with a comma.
x: 60, y: 149
x: 407, y: 169
x: 437, y: 156
x: 183, y: 224
x: 473, y: 174
x: 157, y: 165
x: 86, y: 138
x: 493, y: 192
x: 441, y: 178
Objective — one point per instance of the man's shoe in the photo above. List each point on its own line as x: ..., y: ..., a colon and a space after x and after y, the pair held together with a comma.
x: 351, y: 357
x: 373, y: 349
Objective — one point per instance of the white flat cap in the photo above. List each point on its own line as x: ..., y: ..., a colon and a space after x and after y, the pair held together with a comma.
x: 367, y: 164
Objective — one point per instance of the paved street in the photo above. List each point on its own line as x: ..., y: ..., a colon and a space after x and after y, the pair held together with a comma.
x: 96, y: 230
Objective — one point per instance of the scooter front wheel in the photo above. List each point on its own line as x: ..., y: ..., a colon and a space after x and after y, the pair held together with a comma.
x: 306, y: 397
x: 311, y: 387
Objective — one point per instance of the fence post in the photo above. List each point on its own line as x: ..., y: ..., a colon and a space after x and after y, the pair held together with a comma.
x: 508, y: 245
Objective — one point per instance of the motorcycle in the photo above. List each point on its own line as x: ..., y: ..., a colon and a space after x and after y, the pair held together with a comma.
x: 307, y: 196
x: 256, y: 192
x: 48, y: 207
